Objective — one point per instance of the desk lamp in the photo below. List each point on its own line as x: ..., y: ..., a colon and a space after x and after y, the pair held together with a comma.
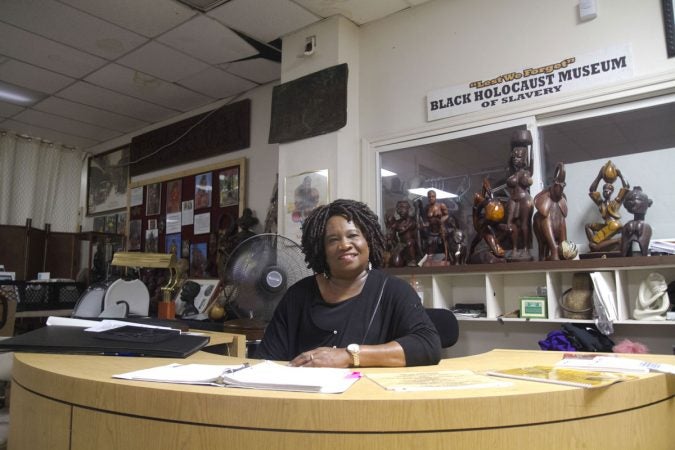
x: 166, y: 308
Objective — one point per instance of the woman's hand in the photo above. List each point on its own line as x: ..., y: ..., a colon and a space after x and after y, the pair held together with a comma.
x: 322, y: 357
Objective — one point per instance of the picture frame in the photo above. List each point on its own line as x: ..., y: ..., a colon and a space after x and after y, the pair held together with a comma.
x: 228, y: 186
x: 302, y: 194
x: 203, y: 190
x: 208, y: 293
x: 174, y: 190
x: 533, y: 308
x: 107, y: 181
x: 669, y: 25
x: 153, y: 199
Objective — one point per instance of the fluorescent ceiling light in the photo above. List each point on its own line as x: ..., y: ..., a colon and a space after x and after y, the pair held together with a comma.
x: 18, y: 95
x: 386, y: 173
x: 440, y: 194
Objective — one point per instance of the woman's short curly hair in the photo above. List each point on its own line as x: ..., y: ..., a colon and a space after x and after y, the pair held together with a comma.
x: 314, y: 230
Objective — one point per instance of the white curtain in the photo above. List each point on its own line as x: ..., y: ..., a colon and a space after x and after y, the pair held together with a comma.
x: 40, y: 181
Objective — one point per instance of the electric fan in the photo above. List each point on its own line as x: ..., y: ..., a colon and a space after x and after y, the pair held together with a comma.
x: 257, y: 274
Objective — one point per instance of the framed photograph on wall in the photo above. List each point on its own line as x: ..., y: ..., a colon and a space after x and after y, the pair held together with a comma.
x: 228, y: 186
x: 203, y: 188
x: 173, y: 196
x: 153, y: 200
x: 303, y: 193
x: 107, y: 180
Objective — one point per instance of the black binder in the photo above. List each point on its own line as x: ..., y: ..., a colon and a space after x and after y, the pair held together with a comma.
x: 60, y: 339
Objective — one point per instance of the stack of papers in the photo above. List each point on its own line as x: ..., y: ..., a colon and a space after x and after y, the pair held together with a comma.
x: 614, y: 364
x: 567, y: 377
x: 434, y: 381
x: 264, y: 375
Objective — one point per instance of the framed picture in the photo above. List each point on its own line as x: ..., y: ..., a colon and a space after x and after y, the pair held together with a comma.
x: 151, y: 241
x: 303, y: 193
x: 198, y: 260
x: 228, y: 186
x: 208, y: 292
x: 669, y: 23
x: 107, y: 180
x: 173, y: 244
x: 99, y: 224
x: 121, y: 223
x: 135, y: 228
x: 173, y: 196
x: 153, y: 199
x: 533, y: 307
x: 203, y: 188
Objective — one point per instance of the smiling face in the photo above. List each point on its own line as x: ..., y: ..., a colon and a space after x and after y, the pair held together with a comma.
x: 346, y: 247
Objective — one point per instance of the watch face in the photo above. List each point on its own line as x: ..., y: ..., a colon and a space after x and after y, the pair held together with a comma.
x: 353, y: 348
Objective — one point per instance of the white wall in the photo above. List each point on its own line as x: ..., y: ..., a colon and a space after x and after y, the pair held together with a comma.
x: 262, y: 158
x: 447, y: 42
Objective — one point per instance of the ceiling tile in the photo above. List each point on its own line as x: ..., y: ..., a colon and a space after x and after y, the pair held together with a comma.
x: 262, y: 19
x: 65, y: 125
x: 146, y: 87
x: 49, y: 134
x: 208, y: 40
x: 162, y: 62
x: 41, y: 52
x: 8, y: 109
x: 217, y: 83
x: 32, y: 77
x: 89, y: 114
x: 147, y: 17
x: 69, y: 26
x: 358, y: 11
x: 97, y: 96
x: 259, y: 70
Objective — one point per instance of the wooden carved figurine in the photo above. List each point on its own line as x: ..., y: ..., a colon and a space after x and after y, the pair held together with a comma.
x: 435, y: 216
x: 549, y: 220
x: 402, y: 237
x: 457, y: 250
x: 519, y: 207
x: 637, y: 230
x: 602, y: 235
x: 488, y: 217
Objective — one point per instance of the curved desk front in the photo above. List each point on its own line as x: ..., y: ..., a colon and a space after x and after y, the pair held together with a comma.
x: 71, y: 402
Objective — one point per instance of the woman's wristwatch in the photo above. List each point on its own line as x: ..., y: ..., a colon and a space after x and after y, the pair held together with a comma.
x: 354, y: 350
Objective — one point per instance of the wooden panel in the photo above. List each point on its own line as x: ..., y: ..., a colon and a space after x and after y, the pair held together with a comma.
x: 646, y: 429
x: 310, y: 106
x: 62, y: 255
x: 222, y: 130
x: 38, y: 422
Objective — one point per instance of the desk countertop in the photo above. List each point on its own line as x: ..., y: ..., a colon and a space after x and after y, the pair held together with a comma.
x: 365, y: 411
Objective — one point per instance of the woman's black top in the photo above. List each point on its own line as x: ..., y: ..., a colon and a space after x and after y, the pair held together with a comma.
x: 303, y: 321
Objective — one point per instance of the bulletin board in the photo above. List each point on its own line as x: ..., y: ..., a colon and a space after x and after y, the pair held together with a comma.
x: 190, y: 213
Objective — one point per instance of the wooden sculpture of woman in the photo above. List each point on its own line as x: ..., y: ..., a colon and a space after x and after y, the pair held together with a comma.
x: 601, y: 235
x: 549, y: 220
x: 519, y: 207
x: 637, y: 231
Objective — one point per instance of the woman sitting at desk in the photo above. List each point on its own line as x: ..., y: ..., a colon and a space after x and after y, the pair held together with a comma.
x: 349, y: 314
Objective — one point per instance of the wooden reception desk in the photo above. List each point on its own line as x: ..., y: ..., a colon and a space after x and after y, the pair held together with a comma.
x: 71, y: 402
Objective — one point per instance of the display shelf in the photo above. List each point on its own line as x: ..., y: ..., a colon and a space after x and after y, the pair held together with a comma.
x: 500, y: 286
